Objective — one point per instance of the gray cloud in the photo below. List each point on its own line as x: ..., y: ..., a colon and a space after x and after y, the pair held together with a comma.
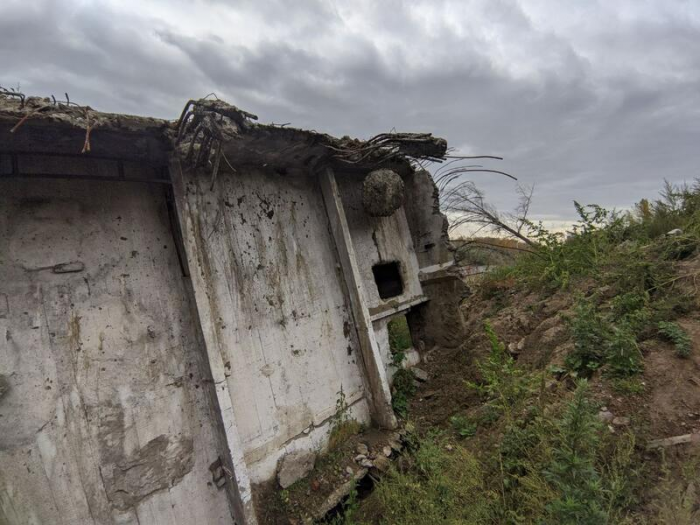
x: 594, y: 102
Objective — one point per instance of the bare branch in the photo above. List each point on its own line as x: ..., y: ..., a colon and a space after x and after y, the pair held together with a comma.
x: 466, y: 204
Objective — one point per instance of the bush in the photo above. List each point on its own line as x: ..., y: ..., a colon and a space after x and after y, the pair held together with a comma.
x: 403, y: 390
x: 623, y: 357
x: 572, y: 471
x: 444, y: 485
x: 503, y: 384
x: 598, y: 342
x: 676, y: 335
x: 629, y: 250
x: 464, y: 426
x: 591, y: 334
x: 399, y: 336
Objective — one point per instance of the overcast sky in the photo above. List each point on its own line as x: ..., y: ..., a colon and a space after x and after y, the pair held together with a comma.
x: 597, y: 101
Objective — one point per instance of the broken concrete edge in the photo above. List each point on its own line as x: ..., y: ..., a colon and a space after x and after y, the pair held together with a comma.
x: 338, y: 495
x: 79, y: 126
x: 374, y: 462
x: 393, y: 307
x: 295, y: 466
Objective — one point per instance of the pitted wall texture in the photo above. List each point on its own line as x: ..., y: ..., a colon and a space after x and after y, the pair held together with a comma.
x: 379, y: 239
x: 276, y: 294
x: 105, y: 414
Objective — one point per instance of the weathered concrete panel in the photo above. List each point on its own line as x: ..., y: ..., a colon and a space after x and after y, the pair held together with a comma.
x: 382, y: 412
x: 105, y: 417
x: 281, y: 319
x: 428, y: 225
x: 379, y: 239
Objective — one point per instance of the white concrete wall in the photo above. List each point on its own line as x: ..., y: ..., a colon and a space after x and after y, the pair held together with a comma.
x: 281, y: 320
x: 379, y: 239
x: 111, y: 409
x: 107, y: 418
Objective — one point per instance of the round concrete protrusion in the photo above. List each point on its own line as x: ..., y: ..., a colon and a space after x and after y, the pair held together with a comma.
x: 382, y: 193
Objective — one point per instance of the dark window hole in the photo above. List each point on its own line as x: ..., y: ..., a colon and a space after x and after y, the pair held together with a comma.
x: 388, y: 279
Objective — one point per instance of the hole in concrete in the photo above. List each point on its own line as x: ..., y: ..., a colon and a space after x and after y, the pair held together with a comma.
x: 388, y: 279
x: 363, y: 489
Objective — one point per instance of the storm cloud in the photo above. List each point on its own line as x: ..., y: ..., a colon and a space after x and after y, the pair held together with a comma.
x: 596, y: 101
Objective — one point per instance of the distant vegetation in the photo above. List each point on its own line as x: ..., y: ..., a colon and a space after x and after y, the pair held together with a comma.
x: 486, y: 252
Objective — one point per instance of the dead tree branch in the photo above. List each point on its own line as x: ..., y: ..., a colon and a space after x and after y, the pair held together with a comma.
x: 466, y: 204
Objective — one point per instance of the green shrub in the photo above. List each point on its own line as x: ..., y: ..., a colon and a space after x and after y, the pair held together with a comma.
x: 629, y: 304
x: 628, y: 385
x: 572, y: 471
x: 553, y: 467
x: 503, y: 384
x: 630, y: 251
x: 676, y: 335
x: 591, y: 334
x: 623, y: 357
x: 403, y: 390
x: 598, y: 342
x: 464, y: 426
x: 444, y: 485
x: 399, y: 337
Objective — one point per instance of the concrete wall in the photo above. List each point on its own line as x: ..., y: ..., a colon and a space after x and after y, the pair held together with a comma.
x: 269, y: 281
x: 122, y: 382
x: 106, y: 413
x: 439, y: 321
x: 427, y: 224
x: 379, y: 239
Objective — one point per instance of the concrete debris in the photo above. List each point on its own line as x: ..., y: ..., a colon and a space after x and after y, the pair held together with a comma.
x: 675, y: 440
x: 362, y: 449
x: 337, y: 496
x: 295, y: 466
x: 366, y: 463
x: 606, y: 416
x: 360, y: 457
x: 411, y: 358
x: 420, y: 374
x: 382, y: 464
x: 382, y: 193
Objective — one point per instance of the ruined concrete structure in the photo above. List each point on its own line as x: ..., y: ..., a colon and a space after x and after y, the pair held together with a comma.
x: 181, y: 304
